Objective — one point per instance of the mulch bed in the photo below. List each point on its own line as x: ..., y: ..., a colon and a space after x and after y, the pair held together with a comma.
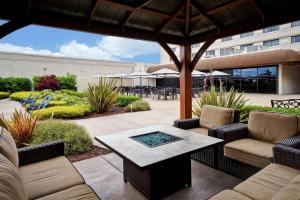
x: 113, y: 111
x: 96, y: 151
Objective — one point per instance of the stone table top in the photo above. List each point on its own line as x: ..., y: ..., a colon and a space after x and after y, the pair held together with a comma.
x: 144, y: 156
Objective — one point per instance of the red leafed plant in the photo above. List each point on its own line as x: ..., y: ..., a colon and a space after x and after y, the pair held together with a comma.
x: 20, y: 126
x: 48, y: 82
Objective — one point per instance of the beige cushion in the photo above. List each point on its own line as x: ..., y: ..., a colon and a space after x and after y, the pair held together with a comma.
x: 50, y: 176
x: 8, y: 147
x: 203, y: 131
x: 290, y: 192
x: 272, y: 127
x: 213, y: 116
x: 229, y: 195
x: 253, y: 152
x: 11, y: 185
x: 74, y: 193
x: 267, y: 182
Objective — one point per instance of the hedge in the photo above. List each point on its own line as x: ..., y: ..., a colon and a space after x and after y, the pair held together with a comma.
x: 123, y: 100
x: 4, y: 95
x: 22, y: 95
x: 67, y: 82
x: 246, y: 109
x: 52, y: 103
x: 61, y: 112
x: 75, y: 137
x: 138, y: 105
x: 13, y: 84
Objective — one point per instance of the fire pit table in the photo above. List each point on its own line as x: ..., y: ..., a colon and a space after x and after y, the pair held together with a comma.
x: 156, y: 159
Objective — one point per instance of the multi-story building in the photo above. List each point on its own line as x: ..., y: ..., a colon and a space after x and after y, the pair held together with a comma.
x: 262, y: 75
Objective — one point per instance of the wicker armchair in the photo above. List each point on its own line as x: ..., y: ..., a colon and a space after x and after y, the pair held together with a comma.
x: 208, y: 156
x: 248, y: 148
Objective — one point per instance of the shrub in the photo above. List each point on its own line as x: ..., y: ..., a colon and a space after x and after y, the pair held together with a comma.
x: 73, y: 93
x: 51, y: 103
x: 61, y: 112
x: 20, y: 126
x: 4, y: 95
x: 67, y: 82
x: 138, y: 105
x: 224, y: 99
x: 126, y: 100
x: 48, y: 82
x: 13, y: 84
x: 35, y: 81
x: 102, y: 95
x: 248, y: 108
x: 75, y: 137
x: 22, y: 95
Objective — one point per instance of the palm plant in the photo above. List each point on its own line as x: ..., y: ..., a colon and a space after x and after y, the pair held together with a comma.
x: 224, y: 99
x: 20, y: 126
x: 102, y: 95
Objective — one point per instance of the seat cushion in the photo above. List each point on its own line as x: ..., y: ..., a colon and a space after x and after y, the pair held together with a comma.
x: 74, y: 193
x: 229, y: 194
x: 203, y: 131
x: 267, y: 182
x: 8, y: 147
x: 11, y: 184
x: 291, y: 191
x: 253, y: 152
x: 213, y: 116
x: 272, y: 127
x: 50, y: 176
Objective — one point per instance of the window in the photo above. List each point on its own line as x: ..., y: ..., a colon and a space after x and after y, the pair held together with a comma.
x: 295, y: 23
x: 271, y: 29
x: 193, y: 55
x: 226, y: 39
x: 271, y: 43
x: 174, y: 49
x: 245, y: 47
x: 226, y: 51
x: 210, y: 53
x: 195, y: 45
x: 295, y: 38
x: 243, y: 35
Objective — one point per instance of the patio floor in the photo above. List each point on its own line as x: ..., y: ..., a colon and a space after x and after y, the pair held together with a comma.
x: 104, y: 175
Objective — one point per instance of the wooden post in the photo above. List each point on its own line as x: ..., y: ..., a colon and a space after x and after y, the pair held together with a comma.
x: 185, y: 82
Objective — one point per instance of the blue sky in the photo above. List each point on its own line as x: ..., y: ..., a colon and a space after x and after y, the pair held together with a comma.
x: 59, y: 42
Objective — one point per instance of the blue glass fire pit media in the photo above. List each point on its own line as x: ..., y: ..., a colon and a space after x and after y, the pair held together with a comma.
x: 155, y: 139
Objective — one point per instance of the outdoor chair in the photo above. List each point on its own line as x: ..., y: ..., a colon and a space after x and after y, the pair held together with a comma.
x: 212, y: 118
x: 278, y: 181
x: 39, y: 172
x: 248, y: 148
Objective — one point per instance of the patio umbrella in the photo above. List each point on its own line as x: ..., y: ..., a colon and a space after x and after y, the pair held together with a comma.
x: 120, y: 75
x: 166, y: 73
x: 139, y: 74
x: 197, y: 73
x: 217, y: 73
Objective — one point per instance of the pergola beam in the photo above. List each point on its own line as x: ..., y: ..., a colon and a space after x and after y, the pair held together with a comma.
x: 171, y: 53
x: 127, y: 18
x: 259, y: 8
x: 187, y: 17
x: 92, y: 10
x: 206, y: 16
x: 10, y: 27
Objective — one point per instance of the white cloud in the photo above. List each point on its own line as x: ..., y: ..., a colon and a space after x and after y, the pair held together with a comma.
x: 109, y: 48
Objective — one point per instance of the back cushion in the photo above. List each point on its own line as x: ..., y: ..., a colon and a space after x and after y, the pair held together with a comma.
x: 213, y: 116
x: 272, y: 127
x: 11, y: 184
x: 289, y: 192
x: 8, y: 147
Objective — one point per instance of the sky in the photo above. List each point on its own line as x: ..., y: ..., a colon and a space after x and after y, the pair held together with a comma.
x: 58, y: 42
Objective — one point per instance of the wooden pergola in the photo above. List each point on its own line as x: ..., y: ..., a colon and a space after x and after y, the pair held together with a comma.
x: 181, y: 22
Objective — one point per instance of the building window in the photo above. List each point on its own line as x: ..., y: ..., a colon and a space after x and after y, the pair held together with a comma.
x: 271, y: 29
x: 295, y: 23
x: 196, y: 45
x: 246, y: 47
x: 226, y: 39
x: 193, y: 55
x: 210, y: 53
x: 271, y: 43
x: 226, y: 51
x: 243, y: 35
x: 174, y: 49
x: 295, y: 38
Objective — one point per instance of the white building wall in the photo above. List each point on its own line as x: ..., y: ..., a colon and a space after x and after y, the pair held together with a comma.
x: 288, y: 79
x: 27, y: 65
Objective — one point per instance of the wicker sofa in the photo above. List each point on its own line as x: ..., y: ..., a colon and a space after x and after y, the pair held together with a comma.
x: 39, y: 172
x: 248, y: 148
x: 212, y: 118
x: 278, y: 181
